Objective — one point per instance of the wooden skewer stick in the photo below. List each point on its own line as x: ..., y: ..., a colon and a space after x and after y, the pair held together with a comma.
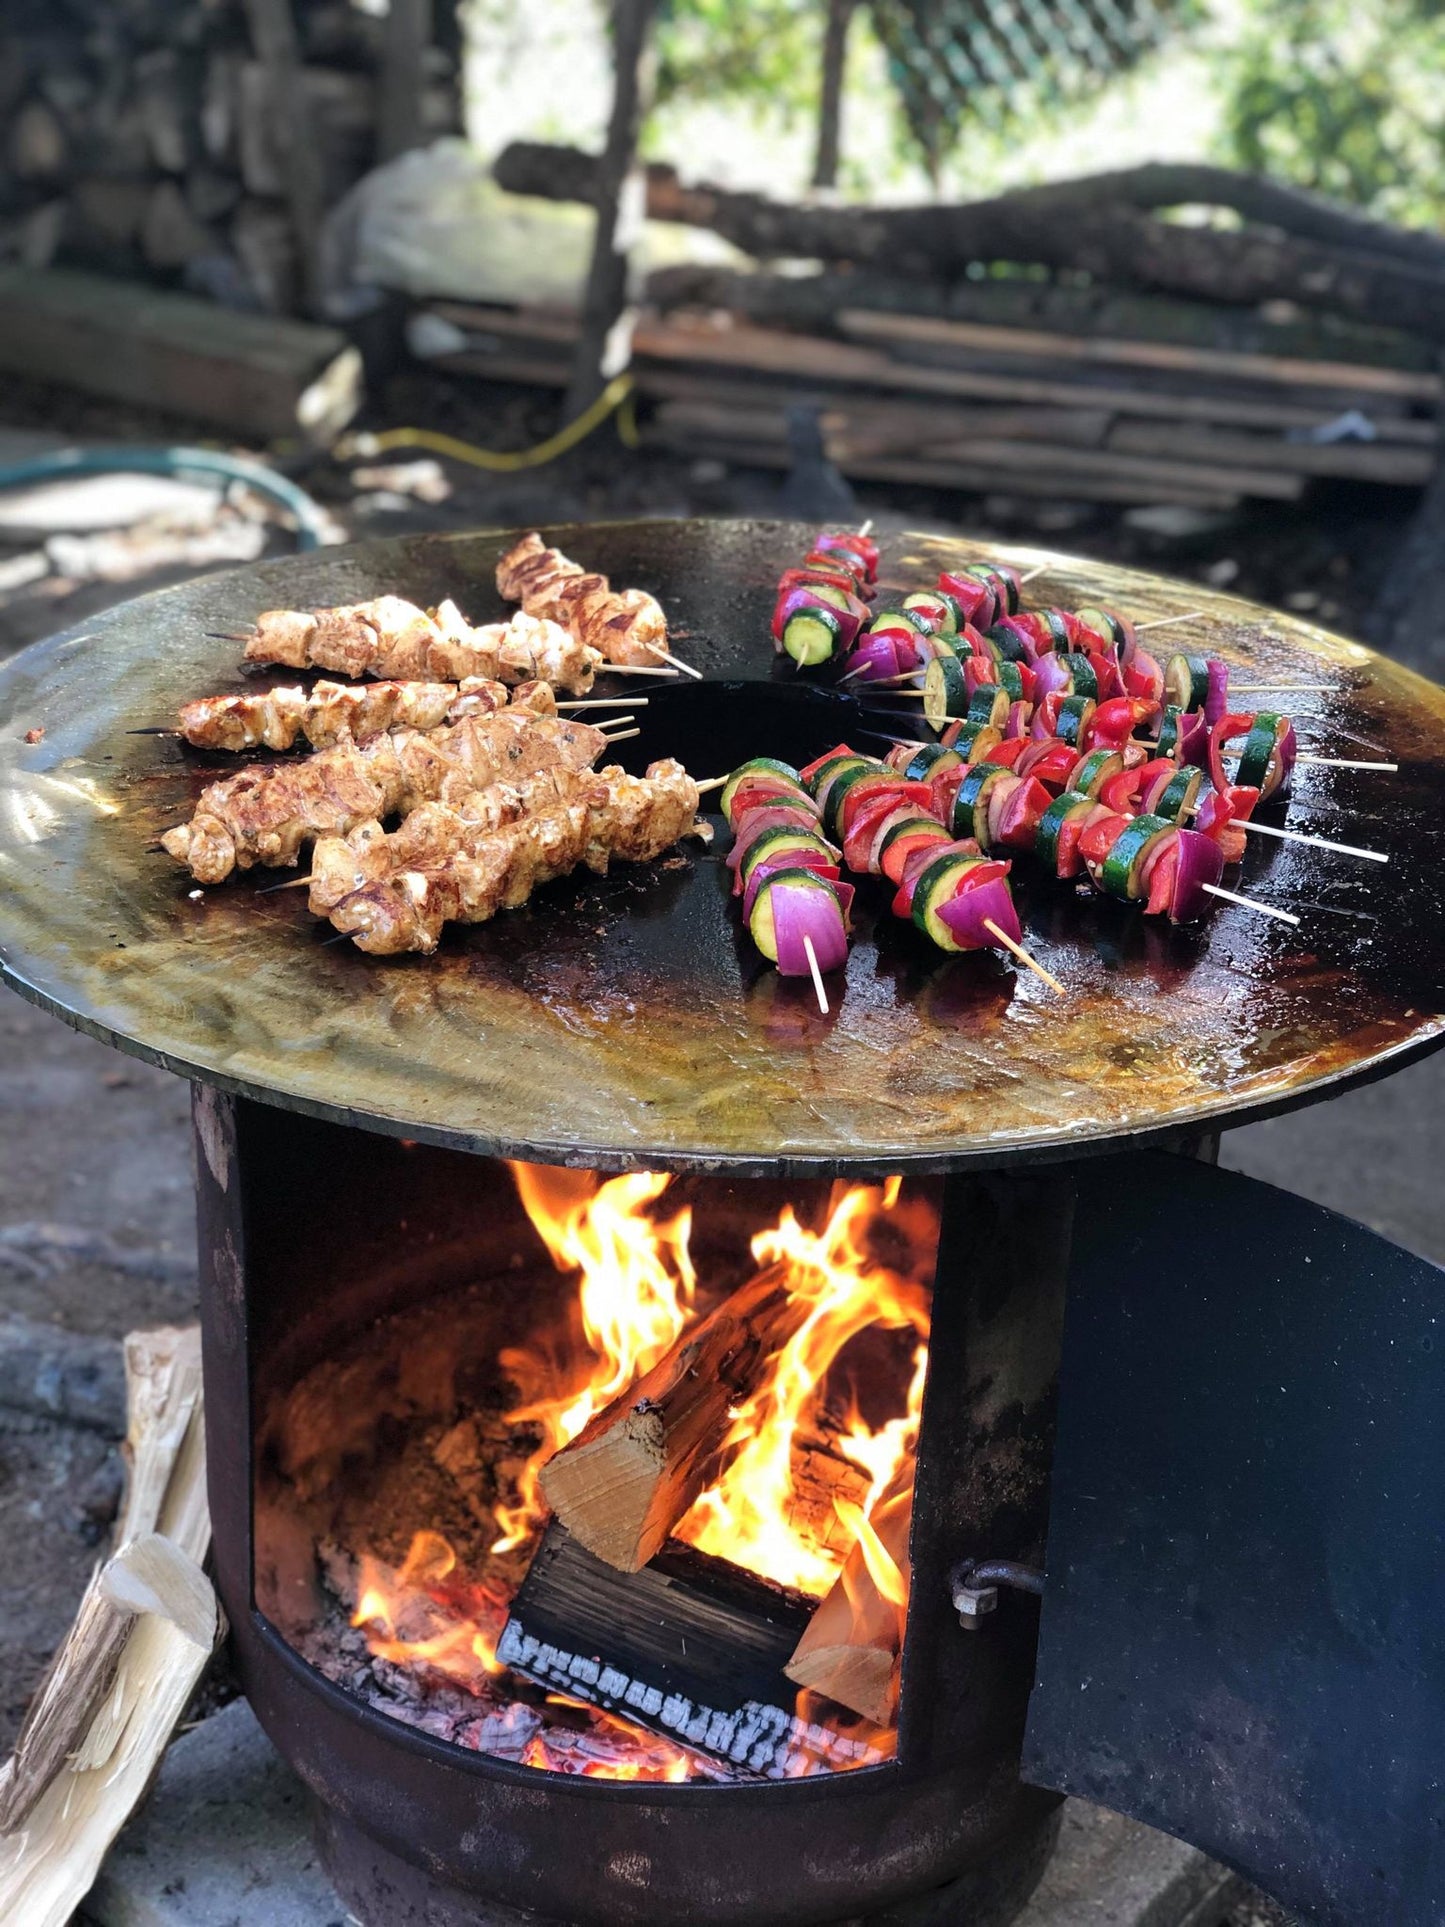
x: 1270, y: 688
x: 222, y: 635
x: 156, y: 731
x: 1249, y: 903
x: 624, y: 735
x: 656, y: 649
x: 817, y: 975
x: 606, y: 702
x: 1033, y: 575
x: 1344, y: 762
x: 604, y: 723
x: 295, y: 883
x: 1164, y: 622
x: 634, y: 669
x: 867, y: 529
x: 1318, y: 842
x: 712, y: 783
x: 1017, y: 949
x: 882, y: 682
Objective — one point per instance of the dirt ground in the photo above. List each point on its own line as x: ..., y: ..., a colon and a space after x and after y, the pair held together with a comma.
x: 93, y: 1142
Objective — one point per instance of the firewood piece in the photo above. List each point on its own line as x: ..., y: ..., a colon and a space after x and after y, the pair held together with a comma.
x: 850, y: 1652
x: 629, y: 1475
x: 690, y: 1647
x: 250, y: 373
x: 144, y: 1633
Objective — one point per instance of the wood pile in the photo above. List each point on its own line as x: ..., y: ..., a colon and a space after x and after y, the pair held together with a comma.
x: 154, y: 140
x: 1056, y: 372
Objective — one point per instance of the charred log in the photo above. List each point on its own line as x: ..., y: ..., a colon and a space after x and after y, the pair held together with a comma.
x: 690, y: 1647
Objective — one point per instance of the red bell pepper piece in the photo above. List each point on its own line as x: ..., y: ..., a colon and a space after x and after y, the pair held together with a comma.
x: 1050, y: 763
x: 896, y: 856
x: 1019, y: 820
x: 1144, y: 678
x: 919, y: 859
x: 1099, y: 833
x: 1223, y: 733
x: 1114, y: 722
x: 870, y: 791
x: 839, y: 749
x: 1009, y: 751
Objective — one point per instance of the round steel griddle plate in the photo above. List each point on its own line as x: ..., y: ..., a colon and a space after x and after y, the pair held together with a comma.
x: 628, y: 1020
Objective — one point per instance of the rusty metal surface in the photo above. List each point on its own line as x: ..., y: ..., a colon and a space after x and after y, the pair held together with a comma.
x: 627, y: 1020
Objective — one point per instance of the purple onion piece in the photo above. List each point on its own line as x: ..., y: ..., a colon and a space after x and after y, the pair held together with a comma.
x: 770, y: 866
x: 1201, y: 861
x: 1216, y: 700
x: 874, y: 659
x: 968, y: 913
x: 800, y: 911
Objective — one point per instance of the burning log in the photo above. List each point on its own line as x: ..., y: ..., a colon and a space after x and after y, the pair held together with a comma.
x: 851, y: 1649
x: 631, y: 1473
x: 691, y: 1647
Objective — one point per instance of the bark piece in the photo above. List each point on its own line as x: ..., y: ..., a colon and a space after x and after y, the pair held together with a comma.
x: 852, y: 1647
x: 628, y: 1477
x: 143, y: 1635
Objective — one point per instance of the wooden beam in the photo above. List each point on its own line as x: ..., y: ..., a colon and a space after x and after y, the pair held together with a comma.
x: 605, y: 295
x: 1093, y: 231
x: 830, y: 103
x: 253, y: 374
x: 273, y: 35
x: 402, y: 79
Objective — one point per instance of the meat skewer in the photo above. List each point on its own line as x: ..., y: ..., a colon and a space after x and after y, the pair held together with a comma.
x: 331, y: 712
x: 265, y: 815
x: 476, y: 871
x: 392, y: 638
x: 626, y: 625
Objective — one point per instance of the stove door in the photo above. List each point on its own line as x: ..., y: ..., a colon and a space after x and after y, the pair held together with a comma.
x: 1243, y: 1629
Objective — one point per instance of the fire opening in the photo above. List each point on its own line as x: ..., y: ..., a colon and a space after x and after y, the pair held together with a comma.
x: 757, y: 1405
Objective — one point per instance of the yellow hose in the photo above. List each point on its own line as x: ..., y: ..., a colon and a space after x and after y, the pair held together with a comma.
x: 616, y: 397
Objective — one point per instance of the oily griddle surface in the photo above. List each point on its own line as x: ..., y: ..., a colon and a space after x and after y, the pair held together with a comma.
x: 628, y: 1019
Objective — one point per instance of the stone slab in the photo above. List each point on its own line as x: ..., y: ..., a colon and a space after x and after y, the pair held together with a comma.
x: 224, y: 1841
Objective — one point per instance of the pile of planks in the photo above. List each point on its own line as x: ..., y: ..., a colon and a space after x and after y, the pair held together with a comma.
x: 962, y: 404
x: 159, y: 141
x: 1059, y: 342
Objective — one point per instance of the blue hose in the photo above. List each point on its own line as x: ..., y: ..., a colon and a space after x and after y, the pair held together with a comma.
x: 310, y: 521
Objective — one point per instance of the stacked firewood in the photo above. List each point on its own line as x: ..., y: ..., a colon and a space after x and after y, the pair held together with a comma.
x: 152, y: 139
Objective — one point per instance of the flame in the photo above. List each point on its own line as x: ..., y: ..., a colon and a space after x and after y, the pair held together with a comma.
x: 635, y: 1293
x: 746, y: 1516
x: 636, y: 1290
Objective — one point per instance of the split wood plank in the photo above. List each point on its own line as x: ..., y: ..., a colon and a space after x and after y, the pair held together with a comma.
x: 1352, y: 460
x: 144, y: 1634
x: 254, y: 374
x: 823, y: 365
x: 634, y: 1469
x: 870, y: 325
x: 954, y: 475
x: 985, y: 463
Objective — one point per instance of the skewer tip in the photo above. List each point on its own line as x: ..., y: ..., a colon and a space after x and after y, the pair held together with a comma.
x: 817, y: 975
x: 1029, y: 961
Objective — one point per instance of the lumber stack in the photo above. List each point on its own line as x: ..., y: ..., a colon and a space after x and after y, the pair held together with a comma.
x: 994, y: 406
x: 155, y: 141
x: 1063, y: 341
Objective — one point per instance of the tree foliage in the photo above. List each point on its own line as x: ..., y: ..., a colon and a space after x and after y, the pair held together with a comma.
x: 1343, y: 98
x: 764, y: 52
